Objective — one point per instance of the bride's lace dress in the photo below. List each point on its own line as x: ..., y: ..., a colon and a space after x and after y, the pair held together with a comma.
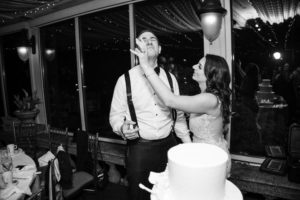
x: 209, y: 129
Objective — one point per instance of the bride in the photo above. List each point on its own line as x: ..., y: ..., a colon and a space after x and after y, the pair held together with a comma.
x: 210, y: 109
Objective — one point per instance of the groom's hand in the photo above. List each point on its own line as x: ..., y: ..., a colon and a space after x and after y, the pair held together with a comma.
x: 129, y: 130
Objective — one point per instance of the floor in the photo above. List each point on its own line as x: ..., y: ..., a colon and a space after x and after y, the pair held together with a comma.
x: 118, y: 192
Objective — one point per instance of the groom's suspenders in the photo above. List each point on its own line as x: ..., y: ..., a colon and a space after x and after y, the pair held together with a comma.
x: 129, y: 99
x: 173, y: 111
x: 130, y: 102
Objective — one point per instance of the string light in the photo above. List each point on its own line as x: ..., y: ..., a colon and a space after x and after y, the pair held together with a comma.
x: 258, y: 26
x: 44, y: 7
x: 40, y: 9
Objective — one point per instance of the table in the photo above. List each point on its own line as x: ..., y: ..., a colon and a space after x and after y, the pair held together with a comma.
x: 26, y: 177
x: 272, y: 119
x: 250, y: 179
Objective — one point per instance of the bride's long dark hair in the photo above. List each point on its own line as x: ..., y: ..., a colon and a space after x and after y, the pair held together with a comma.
x: 217, y: 74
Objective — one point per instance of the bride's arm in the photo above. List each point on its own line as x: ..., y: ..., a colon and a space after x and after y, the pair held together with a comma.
x: 201, y: 103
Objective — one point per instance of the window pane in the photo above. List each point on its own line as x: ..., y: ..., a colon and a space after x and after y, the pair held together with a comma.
x: 105, y: 41
x: 59, y: 58
x: 265, y: 89
x: 178, y: 29
x: 1, y: 101
x: 17, y: 72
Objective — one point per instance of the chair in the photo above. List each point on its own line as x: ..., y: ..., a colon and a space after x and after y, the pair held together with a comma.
x: 93, y: 148
x: 37, y: 187
x: 50, y: 139
x: 37, y: 195
x: 25, y: 137
x: 56, y: 136
x: 84, y: 149
x: 80, y: 179
x: 53, y: 188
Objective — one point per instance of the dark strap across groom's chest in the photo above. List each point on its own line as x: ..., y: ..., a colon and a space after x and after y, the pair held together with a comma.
x: 130, y: 102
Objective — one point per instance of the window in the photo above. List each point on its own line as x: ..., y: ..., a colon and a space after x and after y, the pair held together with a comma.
x: 106, y: 56
x: 17, y: 72
x: 177, y: 27
x: 266, y: 90
x: 105, y: 43
x: 60, y: 78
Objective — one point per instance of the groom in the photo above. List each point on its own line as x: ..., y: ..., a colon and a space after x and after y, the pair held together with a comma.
x: 151, y: 131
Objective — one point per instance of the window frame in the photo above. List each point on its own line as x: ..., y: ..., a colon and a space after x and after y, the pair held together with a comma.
x: 221, y: 46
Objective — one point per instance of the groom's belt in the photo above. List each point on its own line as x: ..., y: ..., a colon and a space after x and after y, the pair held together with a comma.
x: 142, y: 140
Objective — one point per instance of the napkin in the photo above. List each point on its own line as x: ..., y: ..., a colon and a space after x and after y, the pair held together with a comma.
x: 8, y: 191
x: 2, y: 182
x: 23, y: 174
x: 159, y: 178
x: 161, y: 185
x: 28, y: 167
x: 24, y: 178
x: 44, y: 159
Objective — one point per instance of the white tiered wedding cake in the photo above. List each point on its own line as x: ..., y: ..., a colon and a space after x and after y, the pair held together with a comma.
x: 194, y: 171
x: 265, y: 95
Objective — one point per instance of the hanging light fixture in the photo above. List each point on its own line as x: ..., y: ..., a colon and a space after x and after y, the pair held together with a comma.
x: 24, y: 46
x: 277, y: 55
x: 23, y: 53
x: 50, y: 54
x: 211, y: 13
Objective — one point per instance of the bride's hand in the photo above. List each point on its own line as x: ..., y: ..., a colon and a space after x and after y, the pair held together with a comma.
x: 142, y: 53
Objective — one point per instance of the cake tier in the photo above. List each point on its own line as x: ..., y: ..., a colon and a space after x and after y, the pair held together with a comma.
x: 265, y: 97
x: 197, y: 170
x: 265, y: 89
x: 266, y: 82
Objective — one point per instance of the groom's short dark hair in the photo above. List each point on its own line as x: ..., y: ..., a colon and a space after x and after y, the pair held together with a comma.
x: 150, y: 31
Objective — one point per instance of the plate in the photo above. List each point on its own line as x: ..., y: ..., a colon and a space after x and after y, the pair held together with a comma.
x: 232, y: 192
x: 17, y: 151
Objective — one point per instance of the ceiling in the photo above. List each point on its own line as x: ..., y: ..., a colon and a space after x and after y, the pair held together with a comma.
x: 269, y: 11
x: 275, y: 22
x: 12, y: 11
x: 270, y: 20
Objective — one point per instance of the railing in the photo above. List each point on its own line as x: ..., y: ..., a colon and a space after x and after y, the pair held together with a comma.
x: 111, y: 149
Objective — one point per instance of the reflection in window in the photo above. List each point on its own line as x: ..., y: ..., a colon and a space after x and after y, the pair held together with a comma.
x: 177, y: 27
x: 266, y: 94
x: 105, y: 39
x: 105, y: 43
x: 17, y: 72
x: 2, y: 112
x: 59, y: 59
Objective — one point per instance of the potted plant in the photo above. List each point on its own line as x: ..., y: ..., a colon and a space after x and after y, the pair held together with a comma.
x: 27, y: 106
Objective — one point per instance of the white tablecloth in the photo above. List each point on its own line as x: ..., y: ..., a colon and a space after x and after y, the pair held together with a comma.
x: 24, y: 178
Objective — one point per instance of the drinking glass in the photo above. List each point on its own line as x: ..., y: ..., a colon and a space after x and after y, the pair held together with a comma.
x: 6, y: 162
x: 7, y: 166
x: 3, y: 152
